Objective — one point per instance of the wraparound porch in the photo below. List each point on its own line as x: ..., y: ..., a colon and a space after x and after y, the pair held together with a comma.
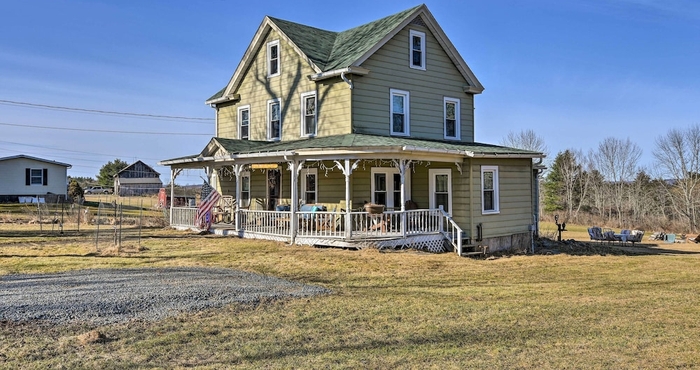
x: 431, y: 229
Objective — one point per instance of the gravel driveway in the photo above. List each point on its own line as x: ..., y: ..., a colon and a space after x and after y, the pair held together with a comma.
x: 105, y: 296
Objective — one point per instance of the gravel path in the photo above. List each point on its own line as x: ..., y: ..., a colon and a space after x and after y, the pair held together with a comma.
x: 105, y: 296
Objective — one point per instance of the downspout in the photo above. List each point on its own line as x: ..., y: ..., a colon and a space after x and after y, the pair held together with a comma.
x: 471, y: 202
x: 347, y: 81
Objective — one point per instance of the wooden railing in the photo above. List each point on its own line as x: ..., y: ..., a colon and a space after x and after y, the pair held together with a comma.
x: 322, y: 224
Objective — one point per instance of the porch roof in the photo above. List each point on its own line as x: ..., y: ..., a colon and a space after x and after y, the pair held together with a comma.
x: 349, y: 145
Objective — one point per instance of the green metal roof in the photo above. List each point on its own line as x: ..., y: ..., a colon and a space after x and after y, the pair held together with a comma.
x: 350, y: 141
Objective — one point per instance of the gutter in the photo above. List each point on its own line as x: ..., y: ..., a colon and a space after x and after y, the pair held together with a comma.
x: 339, y: 72
x: 223, y: 99
x: 471, y: 154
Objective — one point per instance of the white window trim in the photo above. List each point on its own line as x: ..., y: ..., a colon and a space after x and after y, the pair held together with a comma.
x: 302, y: 174
x: 390, y: 171
x: 413, y: 33
x: 269, y: 119
x: 458, y: 133
x: 279, y: 57
x: 41, y: 177
x: 245, y: 202
x: 496, y: 201
x: 303, y: 115
x: 431, y: 187
x: 407, y: 111
x: 240, y: 109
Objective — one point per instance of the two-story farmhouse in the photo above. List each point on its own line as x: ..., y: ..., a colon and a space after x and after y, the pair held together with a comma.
x: 361, y: 136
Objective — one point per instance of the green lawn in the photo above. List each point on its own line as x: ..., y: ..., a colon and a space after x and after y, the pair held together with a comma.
x: 388, y: 310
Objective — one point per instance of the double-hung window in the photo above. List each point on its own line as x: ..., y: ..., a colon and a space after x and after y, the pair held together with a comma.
x: 245, y: 189
x: 309, y: 185
x: 451, y: 112
x: 308, y: 114
x: 244, y: 122
x: 274, y: 119
x: 400, y: 118
x: 273, y: 58
x: 36, y: 176
x: 417, y: 48
x: 489, y: 189
x: 440, y: 189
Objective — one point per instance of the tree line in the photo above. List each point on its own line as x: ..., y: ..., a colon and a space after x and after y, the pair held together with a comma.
x: 607, y: 186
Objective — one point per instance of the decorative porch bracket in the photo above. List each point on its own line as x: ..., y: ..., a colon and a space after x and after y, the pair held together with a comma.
x: 347, y: 171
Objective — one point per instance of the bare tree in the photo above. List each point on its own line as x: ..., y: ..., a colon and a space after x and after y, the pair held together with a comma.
x: 525, y: 139
x: 677, y: 157
x: 617, y: 160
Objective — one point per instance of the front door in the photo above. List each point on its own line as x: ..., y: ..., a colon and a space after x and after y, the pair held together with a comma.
x: 386, y: 187
x: 274, y: 187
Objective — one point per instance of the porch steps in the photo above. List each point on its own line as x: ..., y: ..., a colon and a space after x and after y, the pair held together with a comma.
x: 473, y: 250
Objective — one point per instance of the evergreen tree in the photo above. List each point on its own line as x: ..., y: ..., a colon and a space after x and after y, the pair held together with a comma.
x: 107, y: 172
x: 75, y: 191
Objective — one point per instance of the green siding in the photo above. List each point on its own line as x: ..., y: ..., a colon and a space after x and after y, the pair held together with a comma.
x: 515, y: 197
x: 389, y: 69
x: 256, y: 89
x: 333, y: 107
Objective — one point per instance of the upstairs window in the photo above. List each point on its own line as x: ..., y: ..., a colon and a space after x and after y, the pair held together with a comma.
x: 308, y: 114
x: 274, y: 119
x: 452, y: 125
x: 400, y: 112
x: 489, y: 189
x: 244, y: 122
x: 417, y: 48
x: 273, y: 58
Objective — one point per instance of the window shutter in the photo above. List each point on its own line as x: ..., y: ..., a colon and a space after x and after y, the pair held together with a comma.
x: 28, y: 176
x: 46, y: 176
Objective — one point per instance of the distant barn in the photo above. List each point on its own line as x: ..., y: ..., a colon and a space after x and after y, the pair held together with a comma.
x: 137, y: 179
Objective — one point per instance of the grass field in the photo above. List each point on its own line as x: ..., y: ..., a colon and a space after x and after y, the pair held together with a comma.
x: 388, y: 310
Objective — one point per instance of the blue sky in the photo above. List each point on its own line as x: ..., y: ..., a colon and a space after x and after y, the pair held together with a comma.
x: 575, y: 72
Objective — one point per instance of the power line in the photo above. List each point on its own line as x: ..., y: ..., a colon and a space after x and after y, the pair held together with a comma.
x: 97, y: 111
x: 105, y: 131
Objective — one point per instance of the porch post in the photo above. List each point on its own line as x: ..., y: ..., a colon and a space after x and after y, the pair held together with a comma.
x: 237, y: 170
x: 294, y: 168
x: 173, y: 175
x: 402, y: 173
x: 347, y: 171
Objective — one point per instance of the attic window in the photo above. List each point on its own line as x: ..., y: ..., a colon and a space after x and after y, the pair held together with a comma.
x: 417, y: 48
x: 273, y: 58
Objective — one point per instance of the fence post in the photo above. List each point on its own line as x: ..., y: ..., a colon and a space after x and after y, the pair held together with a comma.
x: 97, y: 231
x: 140, y: 218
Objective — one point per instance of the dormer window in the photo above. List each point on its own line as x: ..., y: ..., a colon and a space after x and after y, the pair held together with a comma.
x: 273, y: 58
x: 417, y: 50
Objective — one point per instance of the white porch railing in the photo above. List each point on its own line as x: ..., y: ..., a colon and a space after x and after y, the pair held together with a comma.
x: 183, y: 217
x: 321, y: 224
